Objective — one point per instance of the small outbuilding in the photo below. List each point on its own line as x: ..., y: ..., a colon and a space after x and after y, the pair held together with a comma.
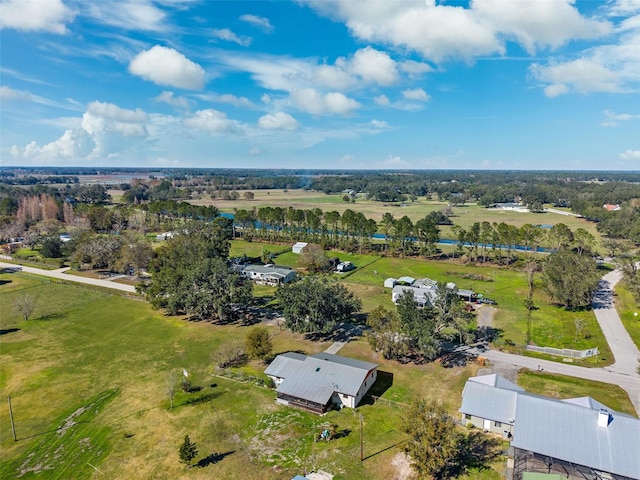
x: 299, y: 247
x: 390, y: 283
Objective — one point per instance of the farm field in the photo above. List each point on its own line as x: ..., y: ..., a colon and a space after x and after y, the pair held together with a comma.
x: 103, y: 362
x: 552, y: 326
x: 99, y: 365
x: 464, y: 215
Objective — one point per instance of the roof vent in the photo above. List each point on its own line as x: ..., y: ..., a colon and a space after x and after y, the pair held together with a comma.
x: 604, y: 418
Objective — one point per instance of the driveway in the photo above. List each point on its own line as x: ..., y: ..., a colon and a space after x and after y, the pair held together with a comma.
x: 625, y: 352
x: 622, y: 372
x: 630, y: 383
x: 59, y: 274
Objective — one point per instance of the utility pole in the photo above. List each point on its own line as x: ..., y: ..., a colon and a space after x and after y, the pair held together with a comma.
x: 361, y: 441
x: 13, y: 427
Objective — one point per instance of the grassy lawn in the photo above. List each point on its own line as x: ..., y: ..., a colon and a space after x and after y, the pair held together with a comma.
x: 629, y: 312
x: 465, y: 215
x: 560, y: 386
x: 552, y: 326
x: 88, y: 378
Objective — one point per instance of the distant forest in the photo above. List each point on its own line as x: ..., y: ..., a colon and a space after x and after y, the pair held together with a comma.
x: 583, y: 192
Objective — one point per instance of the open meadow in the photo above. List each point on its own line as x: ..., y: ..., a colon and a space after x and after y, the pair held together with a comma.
x: 88, y: 376
x: 464, y: 215
x: 551, y: 326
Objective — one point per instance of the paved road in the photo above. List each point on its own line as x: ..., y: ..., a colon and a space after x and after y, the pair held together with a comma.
x: 59, y: 274
x: 622, y: 372
x: 625, y: 352
x: 631, y: 383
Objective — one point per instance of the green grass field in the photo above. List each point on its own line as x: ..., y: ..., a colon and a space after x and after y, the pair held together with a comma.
x: 551, y: 326
x: 629, y: 312
x: 464, y: 215
x: 100, y: 365
x: 560, y: 386
x: 88, y: 379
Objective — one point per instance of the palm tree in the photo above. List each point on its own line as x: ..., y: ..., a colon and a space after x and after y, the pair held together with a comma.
x: 387, y: 224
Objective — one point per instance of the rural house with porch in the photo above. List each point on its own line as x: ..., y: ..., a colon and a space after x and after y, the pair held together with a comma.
x: 319, y: 382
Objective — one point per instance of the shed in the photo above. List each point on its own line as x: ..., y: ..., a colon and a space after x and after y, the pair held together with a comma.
x: 299, y: 247
x: 390, y: 283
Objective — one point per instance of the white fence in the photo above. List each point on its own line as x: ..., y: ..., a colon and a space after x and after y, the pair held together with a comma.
x: 565, y: 352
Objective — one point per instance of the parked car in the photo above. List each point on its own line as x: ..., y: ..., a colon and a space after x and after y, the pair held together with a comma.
x: 487, y: 301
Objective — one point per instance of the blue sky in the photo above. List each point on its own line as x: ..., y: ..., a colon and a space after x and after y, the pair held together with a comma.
x: 419, y: 84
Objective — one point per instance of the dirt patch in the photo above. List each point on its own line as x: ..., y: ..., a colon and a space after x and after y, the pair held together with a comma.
x: 70, y: 421
x: 485, y: 316
x: 403, y: 470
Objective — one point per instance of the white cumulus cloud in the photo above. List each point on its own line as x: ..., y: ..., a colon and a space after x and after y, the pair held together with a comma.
x: 382, y: 100
x: 260, y: 22
x: 374, y: 66
x: 278, y: 121
x: 228, y: 36
x: 166, y: 66
x: 539, y: 23
x: 106, y: 129
x: 211, y: 120
x: 36, y: 15
x: 170, y: 99
x: 416, y: 94
x: 630, y: 155
x: 311, y: 101
x: 582, y: 75
x: 612, y: 119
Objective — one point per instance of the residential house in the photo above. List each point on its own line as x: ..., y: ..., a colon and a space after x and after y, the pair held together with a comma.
x: 579, y: 438
x: 610, y: 207
x: 269, y: 274
x: 321, y: 381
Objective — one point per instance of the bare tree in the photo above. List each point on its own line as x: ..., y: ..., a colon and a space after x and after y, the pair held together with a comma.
x: 580, y: 324
x: 25, y: 305
x: 172, y: 382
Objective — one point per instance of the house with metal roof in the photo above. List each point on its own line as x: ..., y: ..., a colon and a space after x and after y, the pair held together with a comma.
x: 577, y: 437
x: 321, y: 381
x: 268, y: 274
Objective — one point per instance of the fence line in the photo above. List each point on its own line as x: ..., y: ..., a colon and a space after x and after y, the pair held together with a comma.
x: 243, y: 378
x: 565, y: 352
x: 389, y: 403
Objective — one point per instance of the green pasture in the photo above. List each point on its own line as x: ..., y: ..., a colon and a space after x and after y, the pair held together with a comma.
x: 562, y: 387
x: 88, y: 379
x: 629, y: 312
x: 464, y: 215
x: 552, y: 326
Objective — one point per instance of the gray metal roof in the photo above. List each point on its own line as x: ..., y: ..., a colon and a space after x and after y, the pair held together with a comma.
x: 571, y: 432
x: 562, y: 429
x: 497, y: 381
x: 349, y: 362
x: 283, y: 271
x: 283, y: 364
x: 486, y: 401
x: 408, y: 280
x: 317, y: 377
